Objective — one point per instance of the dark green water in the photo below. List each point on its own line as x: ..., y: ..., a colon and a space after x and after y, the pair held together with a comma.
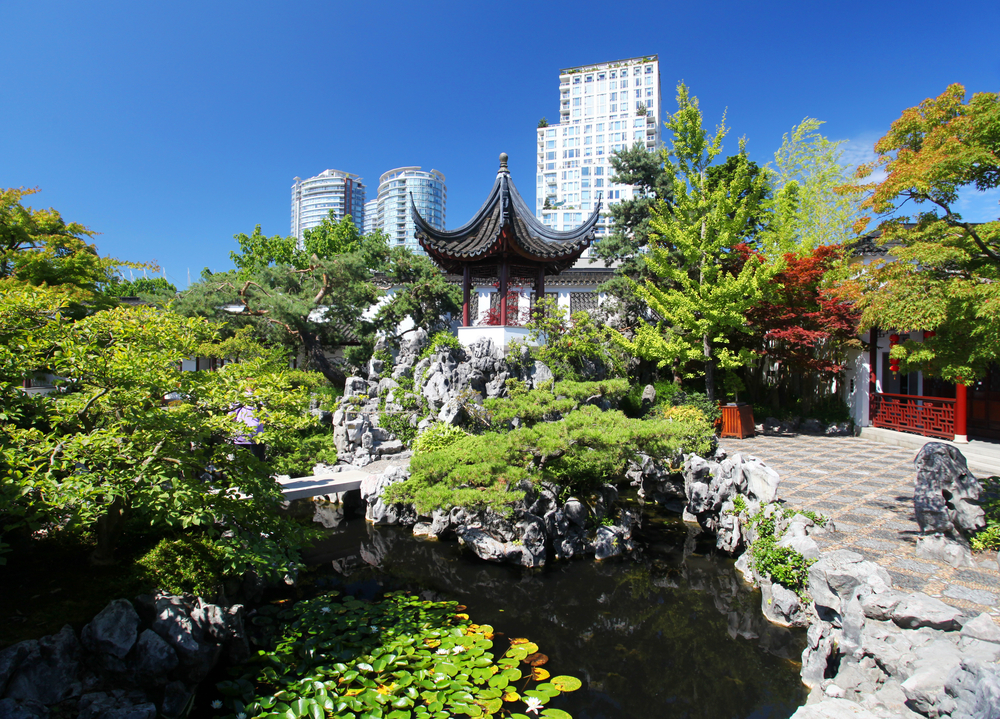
x: 671, y: 632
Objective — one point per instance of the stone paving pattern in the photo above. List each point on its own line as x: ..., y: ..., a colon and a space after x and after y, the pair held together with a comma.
x: 867, y: 488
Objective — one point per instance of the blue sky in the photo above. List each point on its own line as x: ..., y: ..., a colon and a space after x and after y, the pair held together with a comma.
x: 169, y: 127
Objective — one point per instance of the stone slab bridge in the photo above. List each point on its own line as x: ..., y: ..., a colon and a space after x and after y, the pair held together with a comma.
x: 305, y: 487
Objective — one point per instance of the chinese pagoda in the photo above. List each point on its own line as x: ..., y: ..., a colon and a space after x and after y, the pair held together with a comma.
x: 504, y: 245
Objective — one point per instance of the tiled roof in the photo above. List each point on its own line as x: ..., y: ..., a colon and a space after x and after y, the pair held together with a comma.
x: 526, y: 240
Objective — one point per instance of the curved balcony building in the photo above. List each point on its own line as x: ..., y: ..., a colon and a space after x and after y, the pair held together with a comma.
x: 395, y: 188
x: 312, y: 199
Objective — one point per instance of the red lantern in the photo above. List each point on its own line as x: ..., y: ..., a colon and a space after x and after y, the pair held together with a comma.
x: 893, y: 340
x: 929, y: 333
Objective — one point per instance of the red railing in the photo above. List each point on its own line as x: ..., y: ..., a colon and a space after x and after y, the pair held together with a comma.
x: 929, y: 416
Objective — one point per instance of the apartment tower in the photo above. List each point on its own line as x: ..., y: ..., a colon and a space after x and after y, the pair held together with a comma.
x: 602, y: 108
x: 313, y: 199
x: 430, y: 195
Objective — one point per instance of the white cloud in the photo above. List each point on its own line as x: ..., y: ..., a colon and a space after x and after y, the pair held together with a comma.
x: 859, y: 150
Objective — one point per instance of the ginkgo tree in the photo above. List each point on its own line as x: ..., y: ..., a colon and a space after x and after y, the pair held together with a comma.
x: 943, y: 272
x: 701, y: 285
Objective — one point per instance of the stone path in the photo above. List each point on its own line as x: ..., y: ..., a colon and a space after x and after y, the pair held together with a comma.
x: 867, y: 488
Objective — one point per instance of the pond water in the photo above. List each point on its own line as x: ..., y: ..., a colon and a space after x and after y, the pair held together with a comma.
x: 670, y: 632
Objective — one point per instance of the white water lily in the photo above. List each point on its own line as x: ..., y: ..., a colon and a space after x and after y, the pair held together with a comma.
x: 534, y: 704
x: 457, y: 649
x: 216, y: 704
x: 442, y: 650
x: 325, y: 610
x: 241, y: 715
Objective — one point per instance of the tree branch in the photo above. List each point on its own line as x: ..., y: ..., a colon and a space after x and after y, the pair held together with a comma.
x: 968, y: 228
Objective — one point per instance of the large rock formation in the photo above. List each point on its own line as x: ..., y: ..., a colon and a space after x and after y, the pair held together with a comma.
x: 133, y: 661
x: 944, y: 500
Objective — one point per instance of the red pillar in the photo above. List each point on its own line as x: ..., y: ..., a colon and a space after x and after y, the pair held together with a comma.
x: 961, y: 413
x: 872, y: 375
x: 539, y: 290
x: 503, y: 293
x: 466, y: 290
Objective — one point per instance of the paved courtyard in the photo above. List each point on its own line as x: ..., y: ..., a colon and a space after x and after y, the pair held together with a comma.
x: 867, y: 488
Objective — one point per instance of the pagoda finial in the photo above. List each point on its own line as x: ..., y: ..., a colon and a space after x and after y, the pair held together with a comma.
x: 503, y: 161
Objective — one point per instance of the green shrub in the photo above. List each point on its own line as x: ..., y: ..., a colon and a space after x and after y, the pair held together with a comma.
x: 988, y: 539
x: 438, y: 436
x: 399, y: 424
x: 567, y: 344
x: 440, y: 341
x: 783, y: 565
x: 532, y: 406
x: 189, y: 563
x: 303, y: 450
x: 585, y: 449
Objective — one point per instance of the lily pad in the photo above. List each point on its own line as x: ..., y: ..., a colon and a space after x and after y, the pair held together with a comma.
x: 539, y: 674
x: 536, y: 660
x: 554, y: 713
x: 566, y: 683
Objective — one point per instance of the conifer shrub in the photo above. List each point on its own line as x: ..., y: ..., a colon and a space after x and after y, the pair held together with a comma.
x: 438, y: 436
x: 584, y: 450
x: 548, y: 402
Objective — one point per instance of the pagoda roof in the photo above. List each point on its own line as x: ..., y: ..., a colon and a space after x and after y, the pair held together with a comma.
x: 505, y: 228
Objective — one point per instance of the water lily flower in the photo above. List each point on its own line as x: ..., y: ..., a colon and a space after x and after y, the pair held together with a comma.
x: 216, y: 704
x: 241, y: 715
x: 457, y: 649
x: 325, y: 610
x: 534, y: 704
x: 442, y: 650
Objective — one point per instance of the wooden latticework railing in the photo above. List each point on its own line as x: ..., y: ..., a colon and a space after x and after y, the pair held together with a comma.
x: 928, y: 416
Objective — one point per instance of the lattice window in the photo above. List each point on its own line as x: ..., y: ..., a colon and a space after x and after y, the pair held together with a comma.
x: 582, y: 301
x: 473, y: 306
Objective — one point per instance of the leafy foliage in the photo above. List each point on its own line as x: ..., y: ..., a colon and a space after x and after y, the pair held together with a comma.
x: 988, y: 539
x: 783, y: 565
x: 397, y: 657
x: 568, y: 347
x: 807, y: 210
x: 438, y: 436
x: 946, y: 277
x: 188, y: 563
x: 702, y: 288
x: 312, y: 299
x: 302, y: 451
x: 104, y: 449
x: 585, y: 449
x: 536, y: 405
x: 39, y: 248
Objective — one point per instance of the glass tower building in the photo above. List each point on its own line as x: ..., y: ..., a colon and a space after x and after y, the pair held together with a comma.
x: 335, y: 190
x: 430, y: 195
x: 602, y: 108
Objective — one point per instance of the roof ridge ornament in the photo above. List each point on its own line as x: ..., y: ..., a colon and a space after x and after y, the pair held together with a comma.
x: 503, y: 163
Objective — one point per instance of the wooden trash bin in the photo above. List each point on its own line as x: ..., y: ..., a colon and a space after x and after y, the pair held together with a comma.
x: 737, y: 420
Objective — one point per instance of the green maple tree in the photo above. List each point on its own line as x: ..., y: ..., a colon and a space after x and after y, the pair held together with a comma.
x: 943, y: 272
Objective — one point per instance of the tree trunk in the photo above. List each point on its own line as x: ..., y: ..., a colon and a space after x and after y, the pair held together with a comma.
x: 706, y: 344
x: 109, y: 528
x: 316, y: 358
x: 675, y: 368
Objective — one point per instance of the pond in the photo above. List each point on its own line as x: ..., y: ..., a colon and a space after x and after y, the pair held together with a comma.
x: 670, y: 632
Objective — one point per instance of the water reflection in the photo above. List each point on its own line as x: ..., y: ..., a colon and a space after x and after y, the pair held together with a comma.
x: 671, y: 632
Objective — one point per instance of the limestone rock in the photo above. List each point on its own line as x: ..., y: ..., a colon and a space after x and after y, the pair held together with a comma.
x: 918, y: 610
x: 983, y: 628
x: 115, y: 705
x: 154, y: 657
x: 833, y: 708
x: 941, y: 548
x: 833, y: 579
x: 11, y: 709
x: 113, y: 631
x: 48, y: 673
x: 945, y: 492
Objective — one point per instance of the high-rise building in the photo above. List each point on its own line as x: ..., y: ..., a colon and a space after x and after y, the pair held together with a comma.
x: 602, y: 108
x: 429, y: 193
x: 335, y: 190
x: 371, y: 217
